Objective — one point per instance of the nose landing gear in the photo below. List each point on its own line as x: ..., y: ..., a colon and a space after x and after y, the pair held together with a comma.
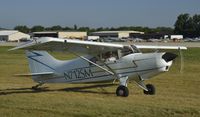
x: 151, y: 90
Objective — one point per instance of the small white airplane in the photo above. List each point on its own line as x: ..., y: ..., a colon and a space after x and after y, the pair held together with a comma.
x: 96, y: 62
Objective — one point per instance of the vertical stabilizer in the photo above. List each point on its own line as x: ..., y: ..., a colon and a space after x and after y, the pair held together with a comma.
x: 41, y: 61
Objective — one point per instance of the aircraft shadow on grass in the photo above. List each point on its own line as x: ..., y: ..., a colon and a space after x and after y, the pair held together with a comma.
x: 81, y: 89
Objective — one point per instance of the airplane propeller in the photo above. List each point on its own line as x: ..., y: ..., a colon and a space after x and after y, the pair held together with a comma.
x: 178, y: 62
x: 181, y: 61
x: 169, y: 56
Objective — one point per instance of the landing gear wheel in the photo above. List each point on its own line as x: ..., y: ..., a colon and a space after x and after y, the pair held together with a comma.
x: 36, y: 87
x: 151, y: 90
x: 122, y: 91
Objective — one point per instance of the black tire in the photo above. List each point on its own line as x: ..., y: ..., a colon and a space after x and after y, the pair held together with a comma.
x: 122, y: 91
x: 151, y: 90
x: 34, y: 87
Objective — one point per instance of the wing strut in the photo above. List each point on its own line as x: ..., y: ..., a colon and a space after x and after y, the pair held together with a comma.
x: 140, y: 82
x: 97, y: 65
x: 110, y: 72
x: 114, y: 73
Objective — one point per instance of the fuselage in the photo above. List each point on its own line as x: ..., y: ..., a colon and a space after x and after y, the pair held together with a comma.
x: 132, y: 65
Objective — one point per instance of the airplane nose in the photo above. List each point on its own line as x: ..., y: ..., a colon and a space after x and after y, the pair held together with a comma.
x: 169, y: 56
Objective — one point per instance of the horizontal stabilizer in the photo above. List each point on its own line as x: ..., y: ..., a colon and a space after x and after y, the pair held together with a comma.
x: 35, y: 74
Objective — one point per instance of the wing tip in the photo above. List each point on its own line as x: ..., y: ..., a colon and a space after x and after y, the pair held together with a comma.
x: 182, y: 48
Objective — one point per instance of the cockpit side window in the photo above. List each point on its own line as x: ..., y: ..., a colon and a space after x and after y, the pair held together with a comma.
x: 127, y: 50
x: 135, y: 49
x: 109, y: 56
x: 115, y: 55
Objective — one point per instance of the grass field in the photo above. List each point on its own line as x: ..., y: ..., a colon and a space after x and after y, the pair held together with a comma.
x: 177, y: 94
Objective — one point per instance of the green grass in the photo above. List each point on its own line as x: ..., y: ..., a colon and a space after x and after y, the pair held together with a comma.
x: 177, y: 94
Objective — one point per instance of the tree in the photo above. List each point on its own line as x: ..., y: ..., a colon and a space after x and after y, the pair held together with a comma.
x: 56, y: 28
x: 166, y: 30
x: 196, y: 21
x: 47, y: 28
x: 37, y: 28
x: 84, y: 29
x: 99, y: 29
x: 188, y: 26
x: 23, y: 29
x: 67, y: 28
x: 75, y: 27
x: 180, y: 24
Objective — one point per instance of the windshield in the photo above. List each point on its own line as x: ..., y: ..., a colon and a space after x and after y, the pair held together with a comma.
x: 116, y: 54
x: 135, y: 49
x: 129, y: 50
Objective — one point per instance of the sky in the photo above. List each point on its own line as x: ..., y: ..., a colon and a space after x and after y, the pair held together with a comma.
x: 94, y: 13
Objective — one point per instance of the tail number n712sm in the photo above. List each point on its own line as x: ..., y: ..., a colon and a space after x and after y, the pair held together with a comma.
x: 80, y: 73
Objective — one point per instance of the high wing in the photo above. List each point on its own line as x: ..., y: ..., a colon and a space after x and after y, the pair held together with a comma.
x: 56, y: 44
x: 161, y: 47
x: 83, y: 47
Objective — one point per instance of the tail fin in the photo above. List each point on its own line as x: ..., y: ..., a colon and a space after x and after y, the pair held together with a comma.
x: 41, y: 62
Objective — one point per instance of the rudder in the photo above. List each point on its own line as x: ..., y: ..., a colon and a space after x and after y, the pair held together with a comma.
x: 41, y: 61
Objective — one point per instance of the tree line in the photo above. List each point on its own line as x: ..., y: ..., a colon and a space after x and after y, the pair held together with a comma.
x: 39, y: 28
x: 187, y: 25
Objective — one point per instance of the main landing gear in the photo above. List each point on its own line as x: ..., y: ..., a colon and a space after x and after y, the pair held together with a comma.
x: 122, y: 90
